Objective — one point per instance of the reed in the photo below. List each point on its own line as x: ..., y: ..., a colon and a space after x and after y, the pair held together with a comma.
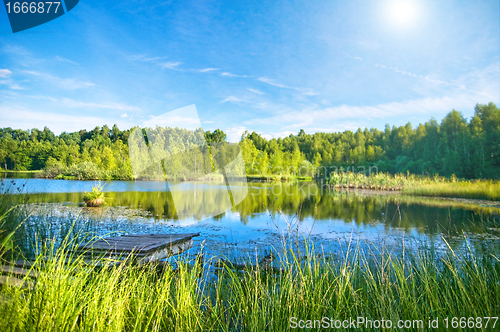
x: 484, y: 189
x: 423, y: 185
x: 409, y: 287
x: 381, y: 181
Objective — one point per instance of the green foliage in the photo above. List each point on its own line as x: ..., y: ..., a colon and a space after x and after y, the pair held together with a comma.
x: 423, y: 185
x: 382, y: 181
x: 95, y: 194
x: 414, y: 286
x: 86, y: 171
x: 6, y: 236
x: 466, y: 189
x: 469, y: 149
x: 12, y: 215
x: 217, y: 136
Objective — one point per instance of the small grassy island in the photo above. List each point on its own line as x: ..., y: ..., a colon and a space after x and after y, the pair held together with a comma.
x: 95, y: 197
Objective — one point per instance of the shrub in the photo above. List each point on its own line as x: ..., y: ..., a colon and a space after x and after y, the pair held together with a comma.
x: 85, y: 171
x: 51, y: 172
x: 94, y: 197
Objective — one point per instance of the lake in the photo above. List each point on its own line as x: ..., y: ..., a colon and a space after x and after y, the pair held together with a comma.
x: 266, y: 217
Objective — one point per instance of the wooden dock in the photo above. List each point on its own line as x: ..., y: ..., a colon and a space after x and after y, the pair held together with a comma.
x: 146, y: 248
x: 139, y: 248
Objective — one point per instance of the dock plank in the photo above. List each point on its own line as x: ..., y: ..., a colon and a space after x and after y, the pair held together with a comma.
x: 108, y: 251
x: 16, y: 282
x: 145, y: 247
x: 9, y: 269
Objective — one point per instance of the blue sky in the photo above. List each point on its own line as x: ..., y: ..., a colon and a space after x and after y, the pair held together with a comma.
x: 274, y: 67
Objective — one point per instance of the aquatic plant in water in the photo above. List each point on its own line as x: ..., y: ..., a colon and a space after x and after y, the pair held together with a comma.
x: 95, y: 197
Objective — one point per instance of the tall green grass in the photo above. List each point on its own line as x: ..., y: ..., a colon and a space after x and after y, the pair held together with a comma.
x: 423, y: 185
x: 413, y: 286
x: 465, y: 189
x: 12, y: 216
x: 381, y: 181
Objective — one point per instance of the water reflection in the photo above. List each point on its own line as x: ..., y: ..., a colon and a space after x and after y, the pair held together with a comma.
x: 315, y: 205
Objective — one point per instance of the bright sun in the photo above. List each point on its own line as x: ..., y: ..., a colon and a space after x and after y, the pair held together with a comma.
x: 403, y: 13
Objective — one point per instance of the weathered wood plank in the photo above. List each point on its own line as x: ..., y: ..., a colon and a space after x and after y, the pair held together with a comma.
x: 100, y: 258
x: 5, y: 269
x: 167, y: 252
x: 24, y: 263
x: 114, y: 250
x: 16, y: 282
x: 119, y: 246
x: 136, y: 243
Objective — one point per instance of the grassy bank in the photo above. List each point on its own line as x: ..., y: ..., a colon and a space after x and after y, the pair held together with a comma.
x: 489, y: 190
x: 435, y: 186
x: 274, y: 177
x: 409, y: 288
x: 89, y: 171
x: 380, y: 181
x: 11, y: 171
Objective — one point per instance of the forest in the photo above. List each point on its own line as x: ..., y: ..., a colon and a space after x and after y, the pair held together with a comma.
x: 468, y: 149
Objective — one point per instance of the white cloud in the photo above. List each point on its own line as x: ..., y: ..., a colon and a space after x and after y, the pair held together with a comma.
x: 305, y: 123
x: 65, y: 83
x: 67, y: 102
x: 5, y: 73
x: 231, y: 75
x: 233, y: 99
x: 304, y: 91
x: 208, y: 121
x: 272, y: 82
x: 282, y: 134
x: 309, y: 92
x: 431, y: 79
x: 144, y: 58
x: 170, y: 65
x: 157, y: 61
x: 14, y: 86
x: 11, y: 84
x: 124, y: 115
x: 234, y: 134
x: 310, y: 116
x: 185, y: 117
x: 353, y: 57
x: 256, y: 91
x: 71, y: 103
x: 206, y: 70
x: 19, y: 117
x: 60, y: 58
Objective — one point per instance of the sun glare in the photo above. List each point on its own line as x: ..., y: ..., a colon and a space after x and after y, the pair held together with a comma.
x: 403, y: 13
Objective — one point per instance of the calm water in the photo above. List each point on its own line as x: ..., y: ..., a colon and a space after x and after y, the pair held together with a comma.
x: 268, y: 212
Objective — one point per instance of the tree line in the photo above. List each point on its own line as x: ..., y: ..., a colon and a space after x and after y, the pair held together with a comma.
x: 467, y: 148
